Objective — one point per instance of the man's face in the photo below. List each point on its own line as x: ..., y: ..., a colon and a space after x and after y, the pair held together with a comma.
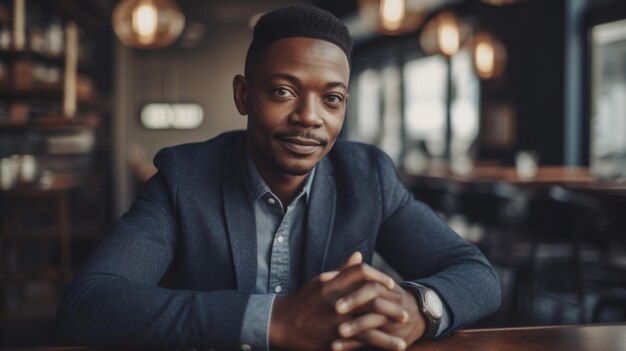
x: 295, y: 102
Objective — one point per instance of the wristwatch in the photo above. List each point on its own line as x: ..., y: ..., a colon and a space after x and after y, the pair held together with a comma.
x: 429, y: 304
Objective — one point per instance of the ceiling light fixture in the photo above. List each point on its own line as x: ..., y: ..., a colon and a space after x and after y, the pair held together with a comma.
x: 443, y: 34
x: 489, y: 55
x: 393, y: 17
x: 147, y: 24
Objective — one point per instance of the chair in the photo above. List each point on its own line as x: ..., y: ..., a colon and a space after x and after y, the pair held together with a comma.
x: 565, y: 229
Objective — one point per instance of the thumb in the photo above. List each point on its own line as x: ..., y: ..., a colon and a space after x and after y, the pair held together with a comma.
x: 355, y: 258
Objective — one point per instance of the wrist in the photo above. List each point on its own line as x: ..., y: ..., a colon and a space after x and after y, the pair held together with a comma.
x: 416, y: 318
x: 429, y: 307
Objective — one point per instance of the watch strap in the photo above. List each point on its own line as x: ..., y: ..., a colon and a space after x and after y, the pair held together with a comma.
x: 432, y: 323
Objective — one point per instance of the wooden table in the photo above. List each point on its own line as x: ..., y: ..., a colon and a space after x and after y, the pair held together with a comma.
x: 495, y: 173
x: 598, y: 337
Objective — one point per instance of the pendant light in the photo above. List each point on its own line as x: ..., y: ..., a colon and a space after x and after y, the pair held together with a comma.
x: 147, y: 24
x: 443, y: 34
x: 489, y: 55
x: 393, y: 17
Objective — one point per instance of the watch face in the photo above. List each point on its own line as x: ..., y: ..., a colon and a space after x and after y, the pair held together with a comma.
x: 433, y: 304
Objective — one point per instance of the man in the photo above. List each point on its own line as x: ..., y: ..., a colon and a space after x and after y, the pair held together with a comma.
x: 259, y: 238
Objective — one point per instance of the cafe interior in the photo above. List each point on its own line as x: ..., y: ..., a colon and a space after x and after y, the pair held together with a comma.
x: 507, y: 117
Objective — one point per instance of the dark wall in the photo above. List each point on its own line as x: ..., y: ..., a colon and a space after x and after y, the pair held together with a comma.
x: 533, y: 33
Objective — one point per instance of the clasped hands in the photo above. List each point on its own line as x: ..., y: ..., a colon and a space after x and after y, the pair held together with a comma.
x: 354, y: 306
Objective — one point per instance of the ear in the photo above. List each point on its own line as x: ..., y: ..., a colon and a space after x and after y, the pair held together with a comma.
x: 240, y: 94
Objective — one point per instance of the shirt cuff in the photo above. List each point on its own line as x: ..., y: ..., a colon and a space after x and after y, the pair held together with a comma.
x: 256, y: 321
x: 445, y: 320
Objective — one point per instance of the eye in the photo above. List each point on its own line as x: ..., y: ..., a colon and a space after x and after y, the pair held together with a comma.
x: 334, y: 98
x: 282, y: 92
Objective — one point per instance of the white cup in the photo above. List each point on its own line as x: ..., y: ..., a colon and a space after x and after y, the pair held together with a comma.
x: 526, y: 164
x: 8, y: 172
x: 28, y: 169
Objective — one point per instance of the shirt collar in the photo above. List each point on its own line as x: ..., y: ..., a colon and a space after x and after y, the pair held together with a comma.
x: 257, y: 187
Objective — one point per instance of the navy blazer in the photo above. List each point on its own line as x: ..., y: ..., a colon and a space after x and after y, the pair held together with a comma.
x: 180, y: 265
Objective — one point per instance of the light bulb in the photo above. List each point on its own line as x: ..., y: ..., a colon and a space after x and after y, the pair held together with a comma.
x: 448, y: 34
x: 392, y: 13
x: 484, y: 57
x: 145, y: 20
x: 147, y: 23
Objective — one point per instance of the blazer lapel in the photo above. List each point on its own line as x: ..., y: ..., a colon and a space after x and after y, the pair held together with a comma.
x: 320, y: 219
x: 239, y: 215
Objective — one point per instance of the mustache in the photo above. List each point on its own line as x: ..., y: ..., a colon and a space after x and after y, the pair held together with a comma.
x: 304, y: 135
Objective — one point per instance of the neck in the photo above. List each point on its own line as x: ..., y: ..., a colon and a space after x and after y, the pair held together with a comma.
x: 283, y: 185
x: 286, y: 187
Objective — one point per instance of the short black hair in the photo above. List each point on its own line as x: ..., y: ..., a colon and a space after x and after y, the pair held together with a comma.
x: 300, y: 20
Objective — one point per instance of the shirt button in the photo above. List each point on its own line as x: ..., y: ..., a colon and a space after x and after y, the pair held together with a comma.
x: 280, y: 238
x: 246, y: 347
x: 278, y: 288
x: 271, y: 201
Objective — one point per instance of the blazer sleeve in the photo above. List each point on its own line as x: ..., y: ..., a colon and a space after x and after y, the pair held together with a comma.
x: 425, y: 250
x: 115, y: 299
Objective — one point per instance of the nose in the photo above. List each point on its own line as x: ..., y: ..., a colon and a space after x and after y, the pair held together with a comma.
x: 306, y: 115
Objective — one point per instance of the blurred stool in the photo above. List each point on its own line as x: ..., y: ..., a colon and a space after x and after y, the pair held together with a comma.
x: 490, y: 206
x: 607, y: 279
x: 565, y: 229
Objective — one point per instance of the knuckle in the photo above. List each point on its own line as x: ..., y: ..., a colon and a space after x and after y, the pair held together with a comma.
x: 357, y: 324
x: 374, y: 286
x: 368, y: 336
x: 377, y: 304
x: 325, y: 291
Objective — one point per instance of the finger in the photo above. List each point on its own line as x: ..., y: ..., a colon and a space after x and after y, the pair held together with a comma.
x: 354, y: 259
x: 359, y: 297
x: 381, y: 340
x: 328, y: 276
x: 346, y: 344
x: 391, y: 310
x: 361, y: 324
x: 352, y: 277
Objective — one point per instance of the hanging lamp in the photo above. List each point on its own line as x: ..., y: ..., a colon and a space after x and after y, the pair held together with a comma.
x: 393, y: 17
x: 443, y: 34
x: 488, y: 55
x: 147, y: 24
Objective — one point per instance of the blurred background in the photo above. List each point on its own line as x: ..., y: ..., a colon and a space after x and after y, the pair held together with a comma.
x: 508, y: 117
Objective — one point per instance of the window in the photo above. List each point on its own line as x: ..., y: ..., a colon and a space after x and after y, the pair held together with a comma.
x: 608, y: 80
x: 425, y: 103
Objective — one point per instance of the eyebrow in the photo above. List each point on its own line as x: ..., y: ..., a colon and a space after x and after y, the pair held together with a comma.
x: 297, y: 81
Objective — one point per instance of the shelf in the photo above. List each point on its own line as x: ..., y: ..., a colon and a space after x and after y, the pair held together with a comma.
x: 27, y: 54
x: 60, y: 182
x: 53, y: 122
x: 52, y: 92
x: 53, y: 235
x: 30, y: 54
x: 46, y: 273
x: 34, y: 235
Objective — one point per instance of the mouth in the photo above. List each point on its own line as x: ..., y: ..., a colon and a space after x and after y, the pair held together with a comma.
x: 300, y: 145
